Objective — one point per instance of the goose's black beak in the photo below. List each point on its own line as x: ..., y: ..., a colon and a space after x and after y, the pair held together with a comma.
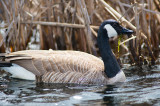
x: 126, y: 31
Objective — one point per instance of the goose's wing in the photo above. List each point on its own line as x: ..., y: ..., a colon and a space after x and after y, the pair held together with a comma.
x: 58, y: 66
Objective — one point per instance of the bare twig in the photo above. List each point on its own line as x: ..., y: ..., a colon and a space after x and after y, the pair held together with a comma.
x: 4, y: 38
x: 58, y: 24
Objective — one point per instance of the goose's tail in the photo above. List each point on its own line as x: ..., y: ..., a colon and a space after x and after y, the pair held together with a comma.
x: 3, y: 63
x: 15, y: 70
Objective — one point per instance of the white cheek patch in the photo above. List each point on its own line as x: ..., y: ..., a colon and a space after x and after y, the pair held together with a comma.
x: 111, y: 31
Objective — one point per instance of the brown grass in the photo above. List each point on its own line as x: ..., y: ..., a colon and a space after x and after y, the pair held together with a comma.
x: 73, y: 24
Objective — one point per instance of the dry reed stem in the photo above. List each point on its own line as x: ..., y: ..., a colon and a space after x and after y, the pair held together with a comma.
x: 140, y: 7
x: 58, y: 24
x: 87, y: 24
x: 9, y: 28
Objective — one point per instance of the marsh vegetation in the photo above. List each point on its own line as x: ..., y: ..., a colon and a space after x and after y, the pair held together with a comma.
x: 73, y: 25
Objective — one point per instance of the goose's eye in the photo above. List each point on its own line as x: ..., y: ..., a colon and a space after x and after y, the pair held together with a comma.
x: 116, y: 25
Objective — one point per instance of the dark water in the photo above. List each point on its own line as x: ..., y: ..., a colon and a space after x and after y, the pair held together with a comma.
x: 142, y: 88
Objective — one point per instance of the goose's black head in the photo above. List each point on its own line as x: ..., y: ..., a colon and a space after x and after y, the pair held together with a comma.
x: 112, y: 28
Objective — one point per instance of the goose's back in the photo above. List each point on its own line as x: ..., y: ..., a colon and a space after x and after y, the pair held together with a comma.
x: 60, y: 66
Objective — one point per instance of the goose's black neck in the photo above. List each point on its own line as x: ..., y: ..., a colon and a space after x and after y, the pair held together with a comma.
x: 110, y: 63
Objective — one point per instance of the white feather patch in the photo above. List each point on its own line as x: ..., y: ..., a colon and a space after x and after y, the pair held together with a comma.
x: 19, y: 72
x: 120, y: 77
x: 111, y: 31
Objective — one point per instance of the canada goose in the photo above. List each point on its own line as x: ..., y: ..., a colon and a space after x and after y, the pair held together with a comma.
x: 51, y: 66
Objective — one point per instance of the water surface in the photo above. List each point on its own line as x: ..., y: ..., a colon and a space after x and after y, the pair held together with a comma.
x: 142, y: 88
